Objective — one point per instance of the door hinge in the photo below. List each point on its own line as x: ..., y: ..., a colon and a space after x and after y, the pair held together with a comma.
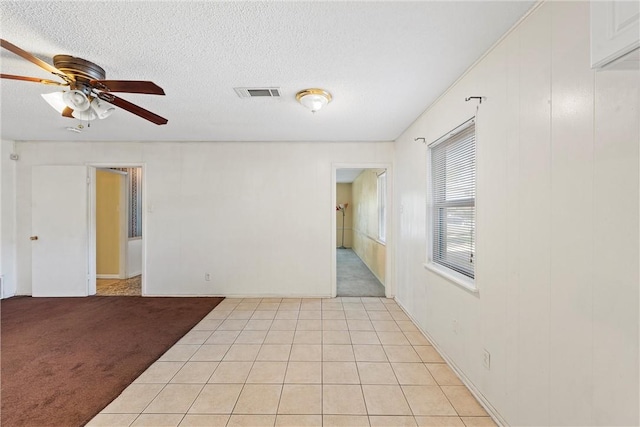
x: 88, y: 180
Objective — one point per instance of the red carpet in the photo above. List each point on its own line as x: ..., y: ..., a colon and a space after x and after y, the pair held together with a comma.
x: 65, y: 359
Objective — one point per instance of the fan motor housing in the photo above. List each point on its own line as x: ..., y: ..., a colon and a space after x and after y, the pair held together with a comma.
x: 82, y: 71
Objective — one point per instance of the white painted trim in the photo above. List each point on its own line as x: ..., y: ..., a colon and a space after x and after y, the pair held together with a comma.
x: 465, y: 380
x: 124, y: 225
x: 91, y: 222
x: 244, y: 296
x: 108, y: 276
x: 453, y: 276
x: 389, y: 279
x: 615, y: 57
x: 142, y: 166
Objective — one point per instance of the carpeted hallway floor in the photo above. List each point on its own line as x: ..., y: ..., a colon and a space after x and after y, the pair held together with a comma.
x: 354, y: 277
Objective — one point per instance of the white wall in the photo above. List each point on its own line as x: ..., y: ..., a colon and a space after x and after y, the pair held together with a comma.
x: 7, y: 219
x: 134, y: 257
x: 256, y: 216
x: 557, y: 229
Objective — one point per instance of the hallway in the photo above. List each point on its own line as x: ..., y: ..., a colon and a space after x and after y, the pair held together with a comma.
x: 354, y: 278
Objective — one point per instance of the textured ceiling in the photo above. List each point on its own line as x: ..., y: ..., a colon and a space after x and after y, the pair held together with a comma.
x: 384, y: 63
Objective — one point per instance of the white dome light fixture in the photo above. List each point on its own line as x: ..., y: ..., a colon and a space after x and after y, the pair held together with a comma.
x: 85, y: 115
x: 55, y: 100
x: 313, y: 99
x: 103, y: 109
x: 76, y: 100
x: 79, y: 105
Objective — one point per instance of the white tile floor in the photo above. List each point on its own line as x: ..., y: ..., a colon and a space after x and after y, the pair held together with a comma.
x: 299, y: 362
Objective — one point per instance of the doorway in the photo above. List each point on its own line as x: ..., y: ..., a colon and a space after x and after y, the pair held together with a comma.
x: 361, y: 232
x: 118, y: 221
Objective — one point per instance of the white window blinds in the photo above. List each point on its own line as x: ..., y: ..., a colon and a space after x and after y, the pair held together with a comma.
x: 453, y: 179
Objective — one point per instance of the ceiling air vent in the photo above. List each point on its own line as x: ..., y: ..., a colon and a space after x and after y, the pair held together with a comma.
x: 257, y: 92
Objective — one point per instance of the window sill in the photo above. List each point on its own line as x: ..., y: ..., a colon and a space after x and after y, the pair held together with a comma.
x: 462, y: 281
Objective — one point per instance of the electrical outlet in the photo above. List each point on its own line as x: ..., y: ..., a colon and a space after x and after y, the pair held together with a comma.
x: 486, y: 360
x: 455, y: 326
x: 207, y: 277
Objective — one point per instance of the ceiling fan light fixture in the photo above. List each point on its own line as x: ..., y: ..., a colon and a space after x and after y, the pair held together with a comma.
x: 313, y: 99
x: 86, y: 115
x: 55, y: 99
x: 101, y: 108
x: 76, y: 100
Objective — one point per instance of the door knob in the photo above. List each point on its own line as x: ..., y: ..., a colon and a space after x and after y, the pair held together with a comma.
x: 33, y: 237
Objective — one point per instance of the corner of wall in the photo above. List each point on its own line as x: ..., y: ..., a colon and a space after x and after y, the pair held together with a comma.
x: 7, y: 219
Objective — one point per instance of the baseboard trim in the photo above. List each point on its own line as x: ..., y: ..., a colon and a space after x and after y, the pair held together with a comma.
x: 287, y: 296
x: 465, y: 380
x: 108, y: 276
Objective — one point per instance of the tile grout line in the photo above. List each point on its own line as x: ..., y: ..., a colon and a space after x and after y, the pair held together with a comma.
x: 284, y: 378
x: 216, y: 368
x: 411, y: 344
x: 248, y: 373
x: 185, y: 364
x: 167, y: 383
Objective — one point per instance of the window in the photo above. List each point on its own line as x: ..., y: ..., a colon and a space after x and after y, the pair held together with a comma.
x: 453, y: 200
x: 382, y: 207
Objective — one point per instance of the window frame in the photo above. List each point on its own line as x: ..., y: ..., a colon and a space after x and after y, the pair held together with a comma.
x: 458, y: 278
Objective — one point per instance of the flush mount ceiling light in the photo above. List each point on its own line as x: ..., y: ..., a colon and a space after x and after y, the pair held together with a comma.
x: 313, y: 99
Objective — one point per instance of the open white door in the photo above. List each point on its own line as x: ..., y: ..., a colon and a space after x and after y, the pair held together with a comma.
x: 112, y: 232
x: 60, y: 231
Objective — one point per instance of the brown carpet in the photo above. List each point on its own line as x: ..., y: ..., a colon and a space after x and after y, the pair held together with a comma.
x: 65, y: 359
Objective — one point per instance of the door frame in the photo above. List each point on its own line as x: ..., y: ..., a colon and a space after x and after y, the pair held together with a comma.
x: 123, y: 238
x: 389, y: 286
x: 92, y: 218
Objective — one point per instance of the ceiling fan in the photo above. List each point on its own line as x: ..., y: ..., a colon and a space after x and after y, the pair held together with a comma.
x: 88, y: 87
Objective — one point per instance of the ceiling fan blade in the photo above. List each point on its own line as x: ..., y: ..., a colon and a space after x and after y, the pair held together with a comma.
x: 67, y: 112
x: 29, y: 57
x: 132, y: 108
x: 32, y: 79
x: 130, y: 86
